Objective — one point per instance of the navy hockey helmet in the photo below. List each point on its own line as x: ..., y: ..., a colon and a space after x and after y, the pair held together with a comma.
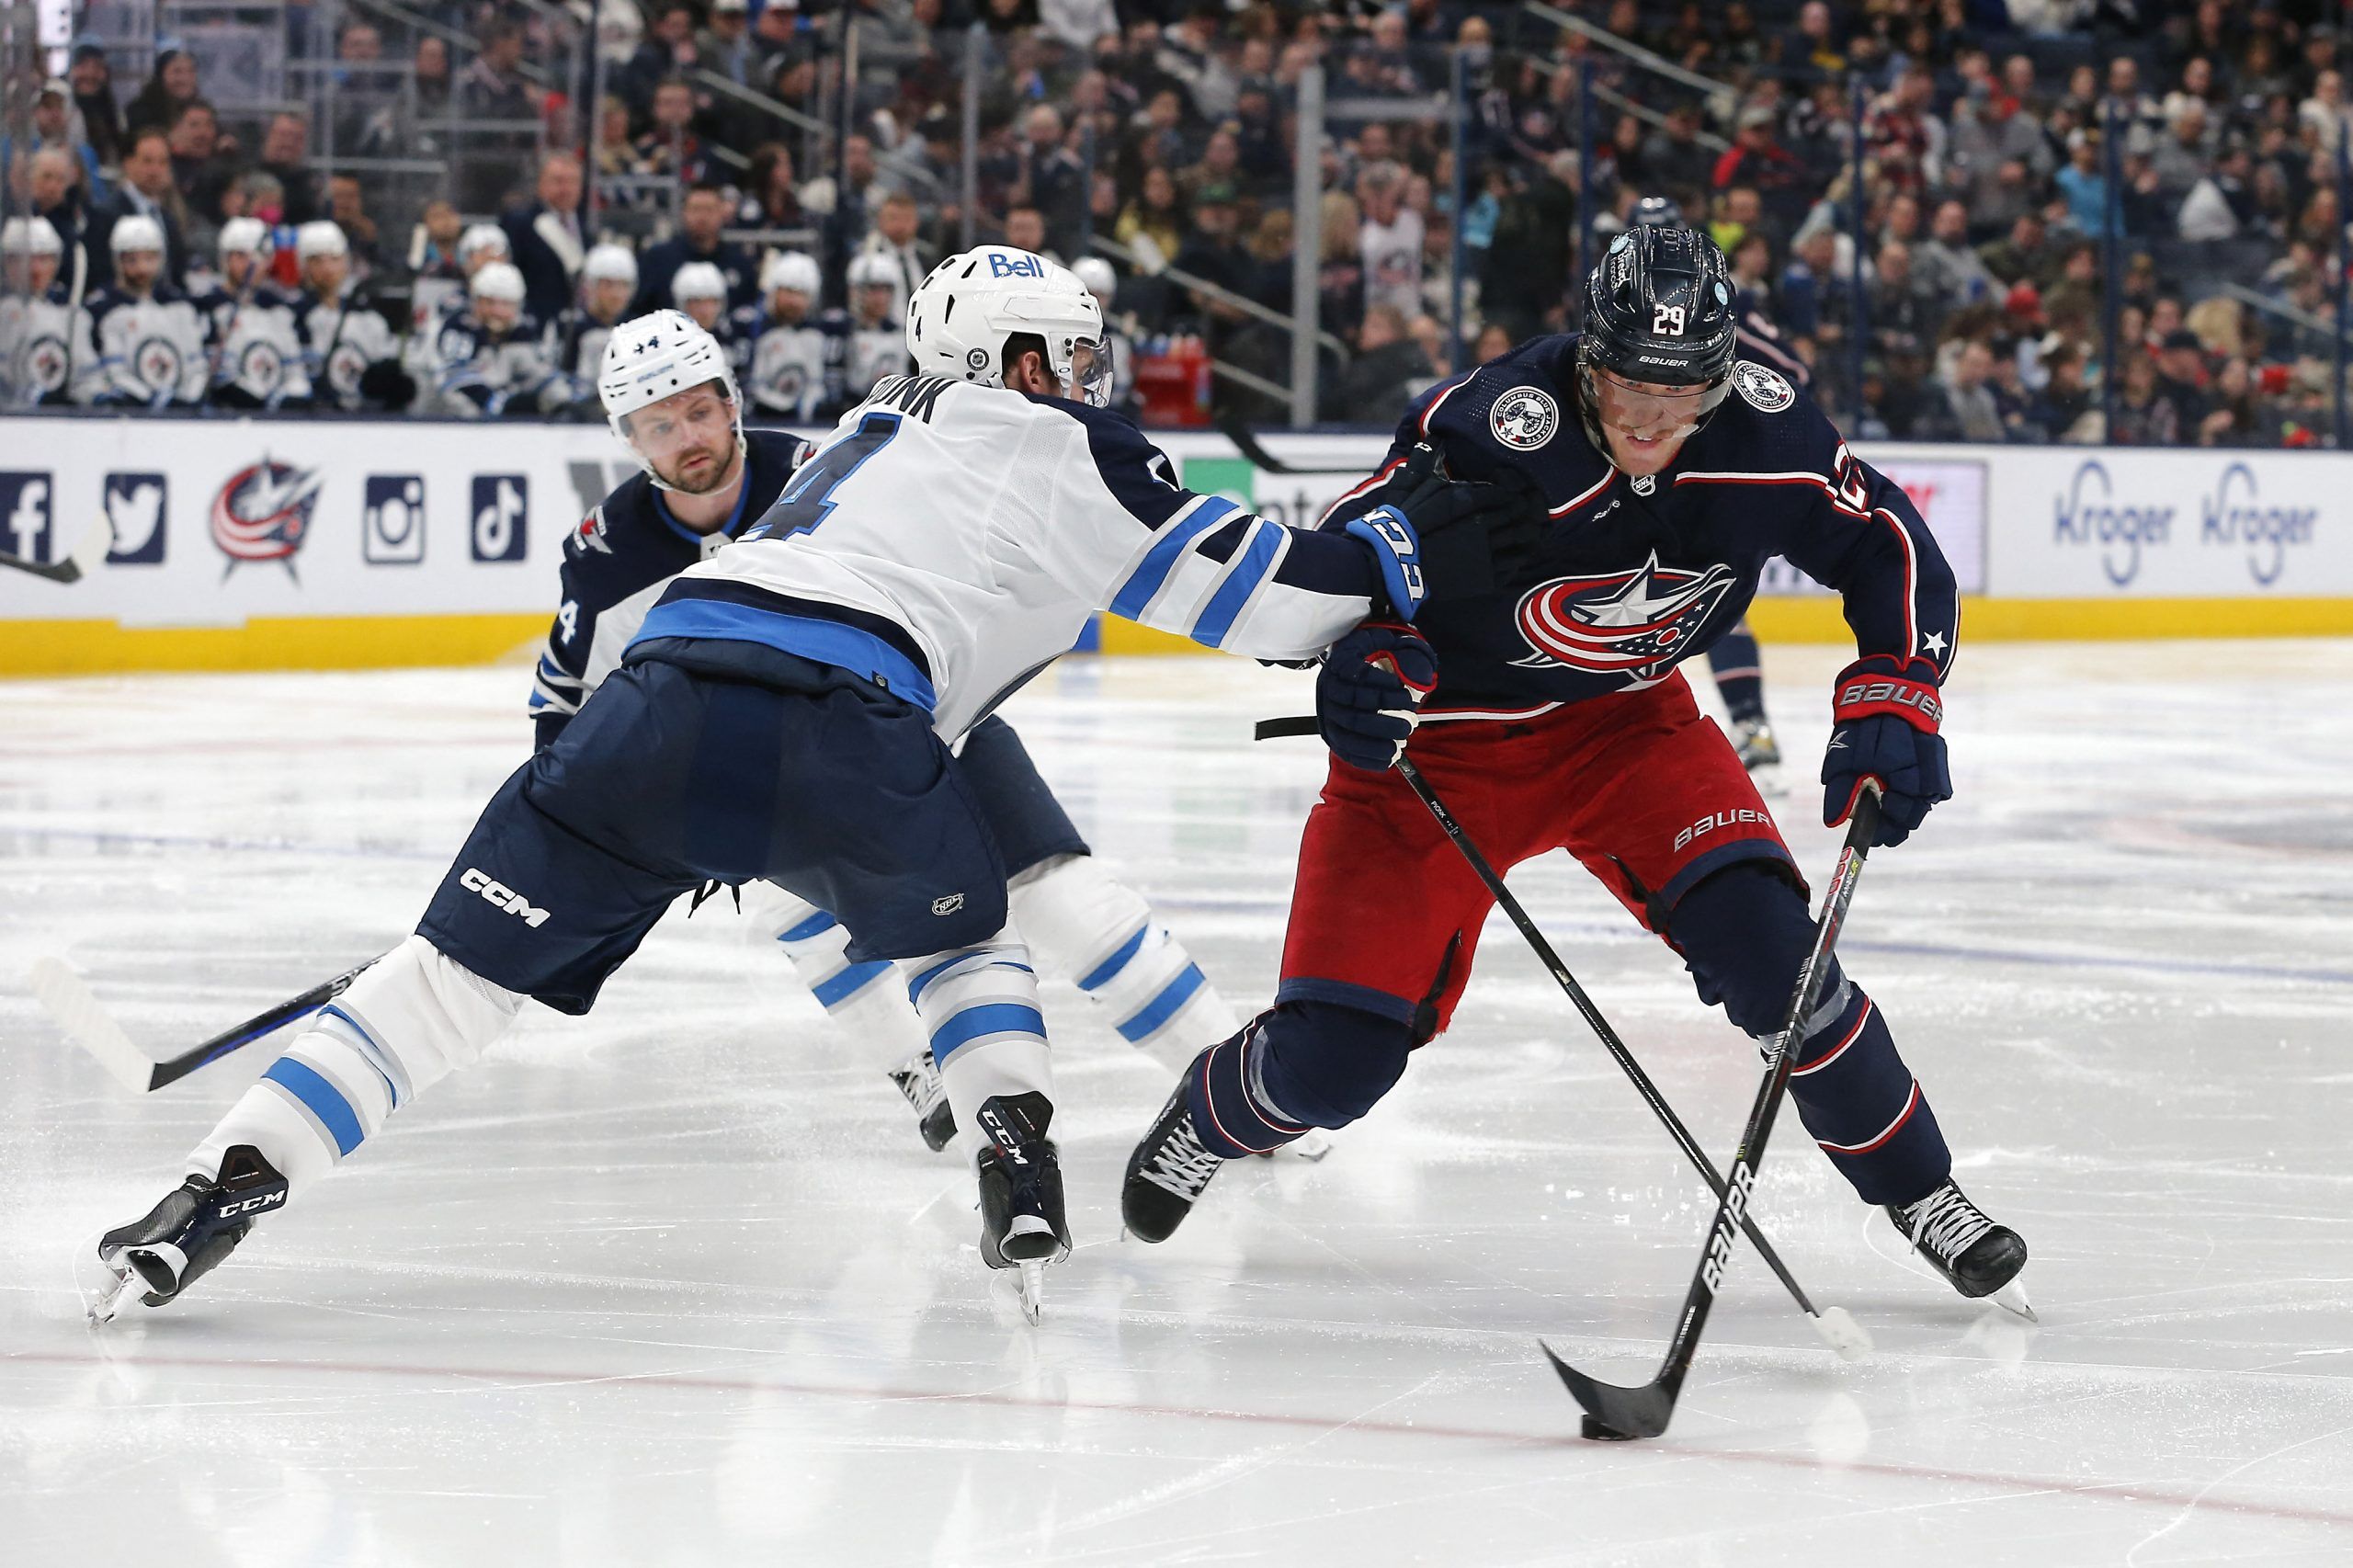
x: 1658, y: 212
x: 1658, y: 311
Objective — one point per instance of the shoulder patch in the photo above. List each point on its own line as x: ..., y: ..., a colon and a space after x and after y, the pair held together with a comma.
x: 1761, y: 387
x: 1524, y: 418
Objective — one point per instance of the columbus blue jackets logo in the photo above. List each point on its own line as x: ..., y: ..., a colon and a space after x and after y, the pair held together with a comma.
x: 1637, y: 624
x: 1524, y: 418
x: 1762, y: 388
x: 263, y: 513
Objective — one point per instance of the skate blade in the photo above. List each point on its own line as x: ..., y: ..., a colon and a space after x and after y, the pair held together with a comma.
x: 2011, y: 1298
x: 1311, y: 1145
x: 1032, y: 1272
x: 104, y: 1291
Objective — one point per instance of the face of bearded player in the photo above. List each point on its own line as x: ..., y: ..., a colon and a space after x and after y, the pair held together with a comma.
x: 1646, y: 423
x: 688, y: 438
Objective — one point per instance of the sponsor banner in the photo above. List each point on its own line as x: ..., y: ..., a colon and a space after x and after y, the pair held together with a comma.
x: 2116, y: 523
x: 1947, y: 485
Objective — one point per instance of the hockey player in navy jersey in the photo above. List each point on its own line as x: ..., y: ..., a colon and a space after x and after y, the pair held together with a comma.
x: 255, y: 352
x: 1084, y: 924
x: 149, y: 338
x: 786, y: 713
x: 1672, y: 471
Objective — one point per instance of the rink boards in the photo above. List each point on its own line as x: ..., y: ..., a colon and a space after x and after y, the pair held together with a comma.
x: 333, y: 544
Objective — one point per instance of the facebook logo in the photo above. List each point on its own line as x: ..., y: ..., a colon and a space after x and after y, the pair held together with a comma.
x: 135, y: 513
x: 26, y: 529
x: 392, y: 520
x: 502, y: 505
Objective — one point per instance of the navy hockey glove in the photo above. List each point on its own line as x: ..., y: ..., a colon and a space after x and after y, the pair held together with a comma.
x: 1883, y: 729
x: 1369, y: 695
x: 1447, y: 537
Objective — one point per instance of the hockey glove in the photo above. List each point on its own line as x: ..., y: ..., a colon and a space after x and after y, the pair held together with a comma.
x: 1883, y: 729
x: 1448, y: 539
x: 1369, y: 695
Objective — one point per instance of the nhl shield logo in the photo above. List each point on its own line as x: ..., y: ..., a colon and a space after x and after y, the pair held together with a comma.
x: 263, y: 513
x: 1636, y: 623
x: 1524, y: 418
x: 1762, y: 388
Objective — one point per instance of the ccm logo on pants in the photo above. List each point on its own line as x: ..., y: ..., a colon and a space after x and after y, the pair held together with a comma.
x: 502, y: 896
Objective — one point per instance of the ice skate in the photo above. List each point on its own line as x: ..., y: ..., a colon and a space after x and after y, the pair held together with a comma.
x: 1753, y: 742
x: 1022, y: 1225
x: 198, y: 1224
x: 1167, y: 1172
x: 1980, y: 1257
x: 918, y: 1078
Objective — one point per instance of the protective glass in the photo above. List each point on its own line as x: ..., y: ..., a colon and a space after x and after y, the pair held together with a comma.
x: 1652, y: 414
x: 1088, y: 375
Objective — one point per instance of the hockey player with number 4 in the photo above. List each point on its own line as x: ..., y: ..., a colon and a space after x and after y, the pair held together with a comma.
x: 706, y: 481
x: 1550, y: 713
x: 786, y: 713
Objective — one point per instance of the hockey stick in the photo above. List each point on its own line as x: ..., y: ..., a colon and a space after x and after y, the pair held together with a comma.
x: 1616, y: 1412
x: 88, y: 551
x: 1251, y: 448
x: 1836, y: 1326
x: 87, y: 1024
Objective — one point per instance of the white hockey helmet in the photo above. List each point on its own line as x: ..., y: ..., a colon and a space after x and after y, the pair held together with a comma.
x: 244, y: 236
x: 698, y: 280
x: 482, y: 239
x: 135, y: 233
x: 30, y: 236
x: 872, y: 269
x: 962, y: 315
x: 610, y: 263
x: 656, y: 356
x: 321, y: 236
x: 791, y: 269
x: 497, y: 280
x: 1100, y: 280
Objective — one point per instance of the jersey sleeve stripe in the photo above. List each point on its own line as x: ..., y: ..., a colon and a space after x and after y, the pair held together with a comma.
x: 1380, y: 477
x: 1158, y: 562
x: 1911, y: 582
x: 1431, y: 412
x: 1267, y: 541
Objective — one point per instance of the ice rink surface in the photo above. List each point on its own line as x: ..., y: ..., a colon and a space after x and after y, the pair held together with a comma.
x: 676, y: 1283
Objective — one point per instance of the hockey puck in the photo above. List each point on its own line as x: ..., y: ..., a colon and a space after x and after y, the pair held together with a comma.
x: 1594, y: 1429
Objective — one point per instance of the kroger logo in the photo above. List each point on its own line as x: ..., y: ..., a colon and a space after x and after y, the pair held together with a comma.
x: 2234, y: 516
x: 2088, y: 515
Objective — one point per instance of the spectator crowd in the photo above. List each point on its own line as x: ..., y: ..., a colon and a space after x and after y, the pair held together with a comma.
x: 2076, y: 220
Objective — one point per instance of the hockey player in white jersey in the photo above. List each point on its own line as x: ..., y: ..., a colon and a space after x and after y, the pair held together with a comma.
x: 149, y: 338
x: 44, y: 339
x: 348, y: 350
x: 490, y: 360
x: 787, y: 350
x: 255, y: 352
x: 1086, y: 925
x: 786, y: 711
x: 699, y: 292
x: 872, y: 347
x: 608, y: 283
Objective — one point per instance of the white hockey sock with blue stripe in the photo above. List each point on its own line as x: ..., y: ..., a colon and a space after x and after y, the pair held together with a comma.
x: 980, y: 1006
x: 1098, y: 932
x: 865, y: 999
x: 404, y: 1024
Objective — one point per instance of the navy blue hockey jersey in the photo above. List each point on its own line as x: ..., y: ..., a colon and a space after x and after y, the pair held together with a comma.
x: 1635, y: 576
x: 616, y: 564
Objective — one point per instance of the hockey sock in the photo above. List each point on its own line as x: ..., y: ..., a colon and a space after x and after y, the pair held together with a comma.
x: 1862, y: 1105
x: 408, y: 1022
x: 1233, y: 1113
x: 980, y: 1006
x: 863, y: 998
x: 1094, y: 930
x: 1740, y: 675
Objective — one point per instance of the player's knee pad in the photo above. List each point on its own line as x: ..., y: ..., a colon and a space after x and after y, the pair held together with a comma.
x: 424, y: 1012
x: 1301, y: 1064
x: 1745, y: 933
x: 1089, y: 927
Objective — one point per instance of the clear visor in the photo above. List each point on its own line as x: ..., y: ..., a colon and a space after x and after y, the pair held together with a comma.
x: 1653, y: 412
x: 1088, y: 374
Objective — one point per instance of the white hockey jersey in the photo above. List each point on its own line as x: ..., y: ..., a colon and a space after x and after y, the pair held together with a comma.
x: 872, y: 355
x: 341, y: 338
x: 44, y: 343
x: 256, y: 352
x: 477, y: 374
x: 948, y: 541
x: 151, y: 350
x: 785, y: 369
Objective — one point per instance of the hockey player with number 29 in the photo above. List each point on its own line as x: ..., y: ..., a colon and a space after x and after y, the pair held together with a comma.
x: 784, y: 712
x: 1560, y: 720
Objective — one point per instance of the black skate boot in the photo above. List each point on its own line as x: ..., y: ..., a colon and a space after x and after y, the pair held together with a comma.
x: 918, y: 1078
x: 1022, y: 1225
x: 1753, y: 742
x: 185, y: 1237
x: 1978, y: 1256
x: 1167, y: 1173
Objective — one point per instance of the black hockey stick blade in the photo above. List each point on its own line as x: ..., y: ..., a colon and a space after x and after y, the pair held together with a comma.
x: 1613, y: 1413
x: 1251, y: 448
x: 89, y: 1025
x: 63, y: 572
x: 1284, y: 729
